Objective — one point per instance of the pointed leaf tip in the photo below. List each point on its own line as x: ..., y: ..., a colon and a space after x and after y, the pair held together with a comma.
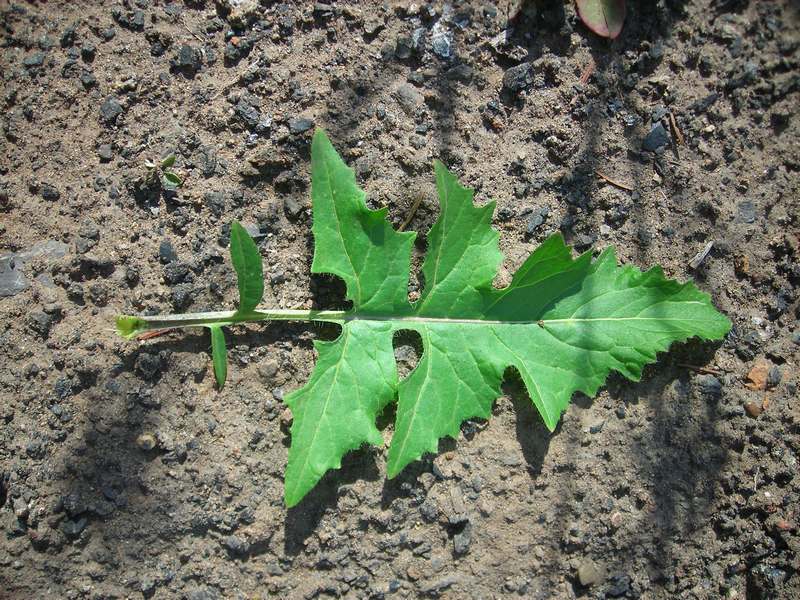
x: 247, y: 263
x: 219, y: 355
x: 604, y: 17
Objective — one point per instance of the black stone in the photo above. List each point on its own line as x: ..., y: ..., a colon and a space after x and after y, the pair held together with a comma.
x: 656, y: 139
x: 236, y: 545
x: 709, y: 386
x: 187, y: 60
x: 50, y: 193
x: 215, y: 202
x: 148, y: 365
x: 88, y: 80
x: 88, y: 51
x: 73, y: 529
x: 518, y: 78
x: 176, y: 272
x: 166, y: 252
x: 300, y: 125
x: 247, y: 114
x: 33, y: 61
x: 462, y: 540
x: 182, y: 296
x: 110, y: 110
x: 537, y: 218
x: 68, y: 37
x: 40, y: 322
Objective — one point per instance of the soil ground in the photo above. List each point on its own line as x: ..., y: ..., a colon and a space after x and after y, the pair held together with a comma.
x: 125, y: 474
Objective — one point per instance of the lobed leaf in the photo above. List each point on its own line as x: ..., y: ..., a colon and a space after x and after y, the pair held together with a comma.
x: 564, y: 323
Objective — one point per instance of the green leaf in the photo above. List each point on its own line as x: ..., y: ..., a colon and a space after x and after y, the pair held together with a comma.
x: 564, y: 323
x: 249, y: 271
x: 351, y: 241
x: 219, y: 355
x: 604, y: 17
x: 171, y: 180
x: 129, y: 327
x: 167, y: 162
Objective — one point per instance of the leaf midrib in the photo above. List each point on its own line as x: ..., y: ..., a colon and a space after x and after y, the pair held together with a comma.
x: 443, y: 320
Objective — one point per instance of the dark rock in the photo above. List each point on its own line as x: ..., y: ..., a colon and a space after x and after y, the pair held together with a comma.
x: 74, y: 504
x: 236, y: 545
x: 746, y: 76
x: 166, y: 252
x: 537, y: 218
x: 462, y: 73
x: 774, y: 376
x: 403, y: 47
x: 293, y: 206
x: 187, y: 60
x: 207, y: 160
x: 88, y: 80
x: 300, y: 125
x: 181, y: 296
x: 110, y: 110
x: 619, y: 585
x: 40, y: 322
x: 247, y: 114
x: 33, y: 61
x: 215, y: 202
x: 656, y: 139
x: 702, y: 105
x: 129, y: 20
x: 518, y: 78
x: 745, y: 212
x: 73, y: 529
x: 12, y: 280
x: 88, y: 51
x: 176, y: 272
x: 409, y: 98
x: 50, y: 193
x: 68, y: 37
x: 709, y: 386
x: 462, y: 540
x: 132, y: 275
x: 105, y: 153
x: 148, y: 365
x: 442, y: 41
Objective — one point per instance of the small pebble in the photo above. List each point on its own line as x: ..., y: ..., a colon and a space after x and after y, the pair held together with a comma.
x: 753, y: 409
x: 589, y: 573
x: 146, y: 442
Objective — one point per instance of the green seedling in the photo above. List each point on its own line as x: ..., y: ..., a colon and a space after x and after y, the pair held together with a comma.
x: 161, y: 173
x: 563, y: 323
x: 604, y: 17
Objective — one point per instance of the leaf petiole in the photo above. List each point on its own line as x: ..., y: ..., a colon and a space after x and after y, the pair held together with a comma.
x: 132, y: 326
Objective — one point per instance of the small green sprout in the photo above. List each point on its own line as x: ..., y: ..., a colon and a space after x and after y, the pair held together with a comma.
x: 162, y: 173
